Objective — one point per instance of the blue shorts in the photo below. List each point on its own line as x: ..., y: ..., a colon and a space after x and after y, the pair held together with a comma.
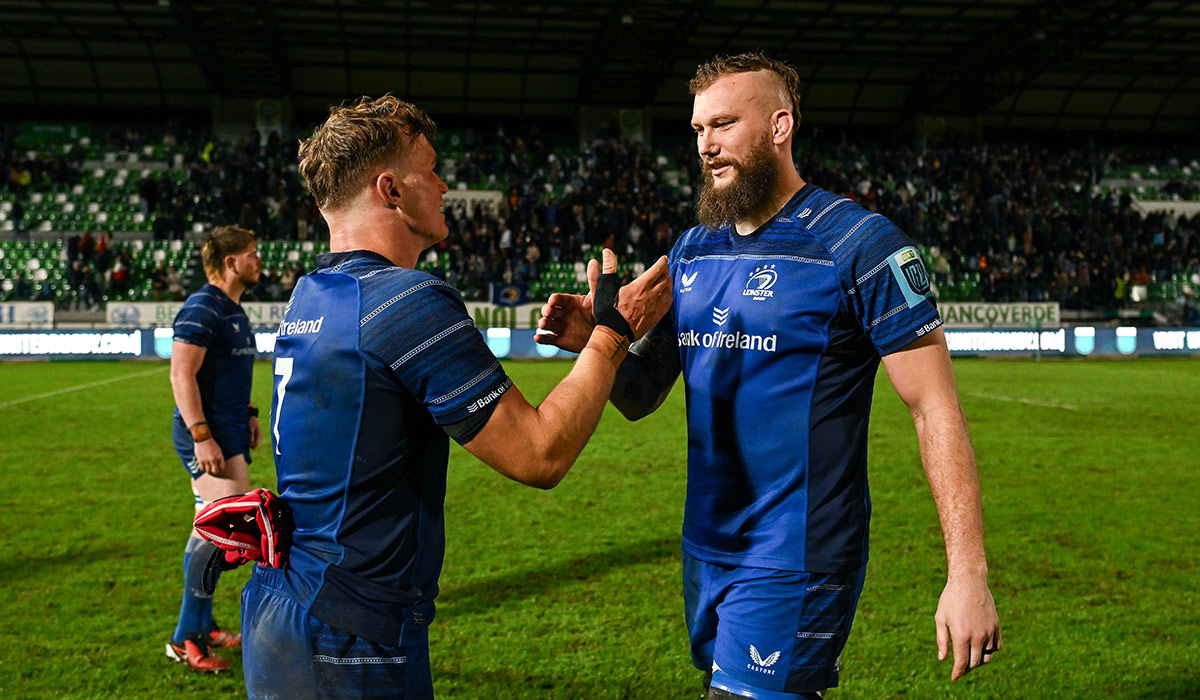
x: 289, y: 654
x: 233, y: 435
x: 766, y: 633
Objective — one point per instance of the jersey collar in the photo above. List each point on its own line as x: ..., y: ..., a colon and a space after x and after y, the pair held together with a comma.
x: 785, y: 212
x: 325, y: 260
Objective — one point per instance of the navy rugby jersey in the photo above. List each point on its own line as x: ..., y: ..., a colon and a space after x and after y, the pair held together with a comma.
x: 780, y: 335
x: 373, y: 363
x: 211, y: 320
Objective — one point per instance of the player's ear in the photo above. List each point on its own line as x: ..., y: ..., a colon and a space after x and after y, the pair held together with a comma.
x: 781, y: 126
x: 387, y: 187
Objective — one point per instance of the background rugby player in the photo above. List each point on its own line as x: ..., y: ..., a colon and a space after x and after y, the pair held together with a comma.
x: 785, y: 299
x: 212, y: 365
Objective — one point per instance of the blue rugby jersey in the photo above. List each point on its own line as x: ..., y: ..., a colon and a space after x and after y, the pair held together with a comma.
x: 780, y: 334
x: 372, y: 362
x: 213, y: 321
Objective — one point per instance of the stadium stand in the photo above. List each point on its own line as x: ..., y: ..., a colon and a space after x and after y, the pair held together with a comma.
x: 116, y: 217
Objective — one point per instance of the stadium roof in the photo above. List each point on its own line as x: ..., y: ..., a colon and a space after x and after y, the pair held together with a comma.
x: 1090, y: 64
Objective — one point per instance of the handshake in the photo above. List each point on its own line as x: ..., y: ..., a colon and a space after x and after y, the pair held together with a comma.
x: 568, y: 320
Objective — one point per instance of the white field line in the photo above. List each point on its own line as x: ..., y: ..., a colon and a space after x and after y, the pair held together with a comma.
x: 78, y: 387
x: 1017, y: 399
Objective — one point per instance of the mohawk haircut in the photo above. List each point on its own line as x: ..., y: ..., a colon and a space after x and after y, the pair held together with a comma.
x: 750, y: 62
x: 337, y: 160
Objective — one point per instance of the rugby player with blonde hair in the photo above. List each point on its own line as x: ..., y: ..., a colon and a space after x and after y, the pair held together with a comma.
x: 212, y: 364
x: 377, y: 367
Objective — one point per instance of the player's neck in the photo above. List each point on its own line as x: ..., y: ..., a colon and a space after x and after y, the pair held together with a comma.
x: 788, y: 185
x: 349, y: 230
x: 232, y: 287
x: 394, y: 249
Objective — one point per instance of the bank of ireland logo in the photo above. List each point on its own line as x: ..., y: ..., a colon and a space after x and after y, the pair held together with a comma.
x: 720, y: 316
x: 761, y: 280
x: 760, y: 664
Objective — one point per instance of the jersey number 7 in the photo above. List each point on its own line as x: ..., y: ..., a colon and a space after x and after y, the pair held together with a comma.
x: 283, y: 368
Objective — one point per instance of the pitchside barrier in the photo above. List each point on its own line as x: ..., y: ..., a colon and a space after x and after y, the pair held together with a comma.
x: 156, y: 314
x: 152, y: 343
x: 143, y: 330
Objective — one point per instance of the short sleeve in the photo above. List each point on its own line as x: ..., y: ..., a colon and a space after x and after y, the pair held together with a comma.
x: 890, y: 291
x: 428, y: 341
x: 198, y: 321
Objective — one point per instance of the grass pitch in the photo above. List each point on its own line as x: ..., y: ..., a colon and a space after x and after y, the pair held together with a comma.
x: 1090, y: 472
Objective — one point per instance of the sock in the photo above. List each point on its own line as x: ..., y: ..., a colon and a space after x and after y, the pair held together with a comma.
x: 195, y: 603
x: 207, y: 623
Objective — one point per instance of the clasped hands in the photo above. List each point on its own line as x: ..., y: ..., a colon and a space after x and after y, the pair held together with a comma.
x: 567, y: 319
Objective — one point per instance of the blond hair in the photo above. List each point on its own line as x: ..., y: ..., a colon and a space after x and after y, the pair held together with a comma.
x: 337, y: 160
x: 220, y: 242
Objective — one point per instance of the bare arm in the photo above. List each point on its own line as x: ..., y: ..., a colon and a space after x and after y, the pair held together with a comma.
x: 185, y: 363
x: 923, y: 377
x: 537, y: 446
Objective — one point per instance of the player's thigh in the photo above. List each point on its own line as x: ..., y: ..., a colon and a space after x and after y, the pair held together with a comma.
x: 277, y: 654
x: 233, y: 480
x: 703, y: 588
x: 288, y: 653
x: 350, y: 667
x: 780, y: 634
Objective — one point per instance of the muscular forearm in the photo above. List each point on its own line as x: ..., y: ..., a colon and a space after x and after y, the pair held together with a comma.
x: 949, y: 464
x: 186, y: 360
x: 537, y: 445
x: 966, y: 614
x: 570, y: 413
x: 187, y: 397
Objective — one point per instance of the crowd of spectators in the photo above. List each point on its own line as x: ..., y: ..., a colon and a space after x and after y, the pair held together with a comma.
x: 1029, y: 223
x: 100, y: 268
x: 251, y: 183
x: 559, y: 205
x: 1019, y: 222
x: 19, y: 172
